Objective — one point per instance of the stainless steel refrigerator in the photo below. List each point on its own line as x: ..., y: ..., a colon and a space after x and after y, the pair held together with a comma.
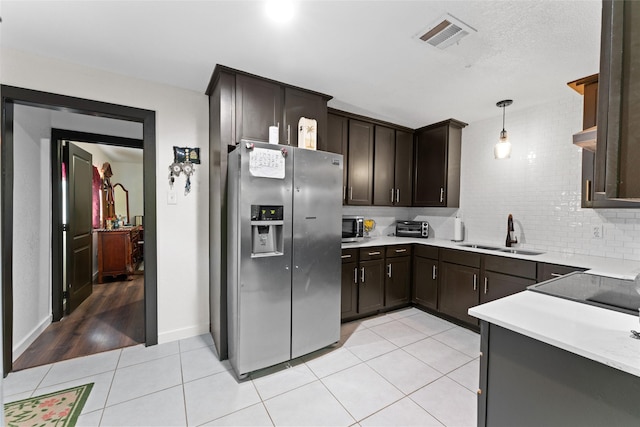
x: 284, y: 237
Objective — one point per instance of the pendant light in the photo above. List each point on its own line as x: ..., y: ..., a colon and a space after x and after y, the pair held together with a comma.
x: 502, y: 149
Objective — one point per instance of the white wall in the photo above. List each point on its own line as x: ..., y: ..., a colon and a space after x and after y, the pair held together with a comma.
x: 182, y: 120
x: 31, y: 226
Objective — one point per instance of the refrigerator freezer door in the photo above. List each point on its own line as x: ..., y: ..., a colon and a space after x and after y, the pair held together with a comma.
x: 259, y: 286
x: 317, y: 232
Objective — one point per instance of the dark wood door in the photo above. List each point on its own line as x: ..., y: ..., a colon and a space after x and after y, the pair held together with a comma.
x: 425, y: 282
x: 298, y: 104
x: 403, y: 178
x: 79, y: 242
x: 360, y: 168
x: 338, y: 142
x: 258, y: 106
x: 371, y: 287
x: 458, y: 290
x: 429, y: 187
x: 384, y: 166
x: 397, y: 287
x: 498, y: 285
x: 349, y: 289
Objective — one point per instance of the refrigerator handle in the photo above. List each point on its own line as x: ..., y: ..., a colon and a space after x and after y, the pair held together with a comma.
x: 362, y: 275
x: 288, y: 134
x: 350, y: 193
x: 344, y: 192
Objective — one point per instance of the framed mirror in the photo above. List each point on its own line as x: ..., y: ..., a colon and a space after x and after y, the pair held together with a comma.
x: 121, y: 202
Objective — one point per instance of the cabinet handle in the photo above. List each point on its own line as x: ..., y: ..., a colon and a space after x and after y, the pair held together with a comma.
x: 441, y: 194
x: 355, y: 275
x: 392, y: 196
x: 288, y: 134
x: 475, y: 282
x: 344, y: 192
x: 434, y: 272
x: 362, y: 275
x: 374, y: 253
x: 486, y: 285
x: 389, y: 270
x: 587, y: 189
x: 556, y: 275
x: 345, y: 256
x: 397, y: 195
x: 350, y: 193
x: 399, y: 251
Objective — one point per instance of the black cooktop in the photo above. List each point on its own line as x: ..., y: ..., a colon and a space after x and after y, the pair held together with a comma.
x: 607, y: 292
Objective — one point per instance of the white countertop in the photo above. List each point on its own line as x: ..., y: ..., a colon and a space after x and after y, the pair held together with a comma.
x: 621, y: 269
x: 595, y: 333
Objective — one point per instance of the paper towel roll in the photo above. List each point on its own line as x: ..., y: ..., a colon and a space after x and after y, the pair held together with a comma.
x: 457, y: 230
x: 274, y: 134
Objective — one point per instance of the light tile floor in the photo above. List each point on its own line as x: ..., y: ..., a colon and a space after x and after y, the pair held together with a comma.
x: 403, y: 368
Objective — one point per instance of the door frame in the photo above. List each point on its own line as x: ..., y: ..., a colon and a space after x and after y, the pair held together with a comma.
x: 11, y: 95
x: 57, y: 136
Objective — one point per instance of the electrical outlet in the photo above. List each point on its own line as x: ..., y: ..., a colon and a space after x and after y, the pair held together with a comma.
x: 172, y: 197
x: 596, y: 231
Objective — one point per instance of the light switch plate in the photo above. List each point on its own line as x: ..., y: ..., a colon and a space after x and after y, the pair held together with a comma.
x: 172, y: 197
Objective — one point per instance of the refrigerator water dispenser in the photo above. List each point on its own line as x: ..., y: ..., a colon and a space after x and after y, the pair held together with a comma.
x: 266, y: 230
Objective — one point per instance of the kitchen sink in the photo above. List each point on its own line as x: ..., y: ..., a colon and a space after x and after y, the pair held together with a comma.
x: 514, y: 251
x: 520, y: 251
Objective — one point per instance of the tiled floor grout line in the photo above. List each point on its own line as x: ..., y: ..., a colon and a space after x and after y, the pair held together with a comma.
x: 106, y: 398
x: 184, y: 394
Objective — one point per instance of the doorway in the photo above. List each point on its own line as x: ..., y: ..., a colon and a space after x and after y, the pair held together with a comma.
x: 12, y: 96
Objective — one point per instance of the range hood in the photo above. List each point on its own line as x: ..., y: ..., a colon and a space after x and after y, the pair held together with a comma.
x: 586, y: 138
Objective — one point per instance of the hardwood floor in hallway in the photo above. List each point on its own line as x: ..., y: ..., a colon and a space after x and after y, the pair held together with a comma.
x: 112, y: 317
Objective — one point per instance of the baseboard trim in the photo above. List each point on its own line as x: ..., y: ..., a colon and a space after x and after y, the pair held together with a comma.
x: 182, y: 333
x: 21, y: 346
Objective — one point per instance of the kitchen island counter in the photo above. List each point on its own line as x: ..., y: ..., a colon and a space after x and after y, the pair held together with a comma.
x: 611, y: 267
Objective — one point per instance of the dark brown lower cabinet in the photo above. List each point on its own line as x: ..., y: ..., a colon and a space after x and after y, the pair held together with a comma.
x: 425, y: 276
x: 371, y: 280
x: 349, y: 300
x: 498, y: 285
x: 397, y: 287
x: 458, y: 290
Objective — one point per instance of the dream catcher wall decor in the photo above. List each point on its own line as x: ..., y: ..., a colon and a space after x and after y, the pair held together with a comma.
x: 184, y: 159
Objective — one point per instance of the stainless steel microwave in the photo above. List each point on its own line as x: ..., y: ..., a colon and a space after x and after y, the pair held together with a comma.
x: 352, y: 228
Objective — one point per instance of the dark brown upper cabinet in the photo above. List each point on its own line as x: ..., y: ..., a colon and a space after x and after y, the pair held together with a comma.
x: 618, y: 138
x: 437, y: 164
x: 403, y: 168
x: 297, y: 104
x: 338, y: 142
x: 360, y: 163
x: 393, y: 167
x: 258, y: 106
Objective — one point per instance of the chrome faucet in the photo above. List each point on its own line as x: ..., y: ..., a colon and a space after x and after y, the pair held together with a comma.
x: 511, y: 238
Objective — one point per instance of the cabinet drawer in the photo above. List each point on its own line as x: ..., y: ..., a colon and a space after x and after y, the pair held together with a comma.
x: 398, y: 250
x: 425, y: 251
x: 374, y: 252
x: 349, y: 255
x: 552, y: 271
x: 461, y: 257
x: 510, y: 266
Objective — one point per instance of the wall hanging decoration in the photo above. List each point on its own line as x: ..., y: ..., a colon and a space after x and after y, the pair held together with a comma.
x: 307, y: 133
x: 184, y: 159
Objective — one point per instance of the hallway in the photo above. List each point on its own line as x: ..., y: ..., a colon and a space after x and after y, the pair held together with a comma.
x: 111, y: 318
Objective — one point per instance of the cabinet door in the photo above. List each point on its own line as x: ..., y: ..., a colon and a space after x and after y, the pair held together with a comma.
x: 360, y: 168
x: 371, y: 287
x: 425, y: 282
x: 429, y: 187
x: 403, y: 168
x: 349, y: 289
x: 258, y: 106
x: 303, y: 104
x: 337, y: 142
x: 458, y: 291
x: 384, y: 166
x: 498, y: 285
x: 397, y: 287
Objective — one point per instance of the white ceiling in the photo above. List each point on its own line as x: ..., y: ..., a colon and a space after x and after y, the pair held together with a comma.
x: 361, y: 52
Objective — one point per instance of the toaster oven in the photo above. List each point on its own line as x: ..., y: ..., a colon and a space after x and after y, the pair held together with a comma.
x: 412, y: 229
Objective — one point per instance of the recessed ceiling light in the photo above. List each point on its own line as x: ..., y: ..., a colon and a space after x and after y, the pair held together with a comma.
x: 280, y: 10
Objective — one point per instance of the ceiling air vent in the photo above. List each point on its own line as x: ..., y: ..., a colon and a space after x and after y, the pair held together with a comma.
x: 445, y: 32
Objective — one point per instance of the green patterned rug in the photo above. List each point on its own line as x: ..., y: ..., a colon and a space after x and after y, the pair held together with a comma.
x: 60, y: 409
